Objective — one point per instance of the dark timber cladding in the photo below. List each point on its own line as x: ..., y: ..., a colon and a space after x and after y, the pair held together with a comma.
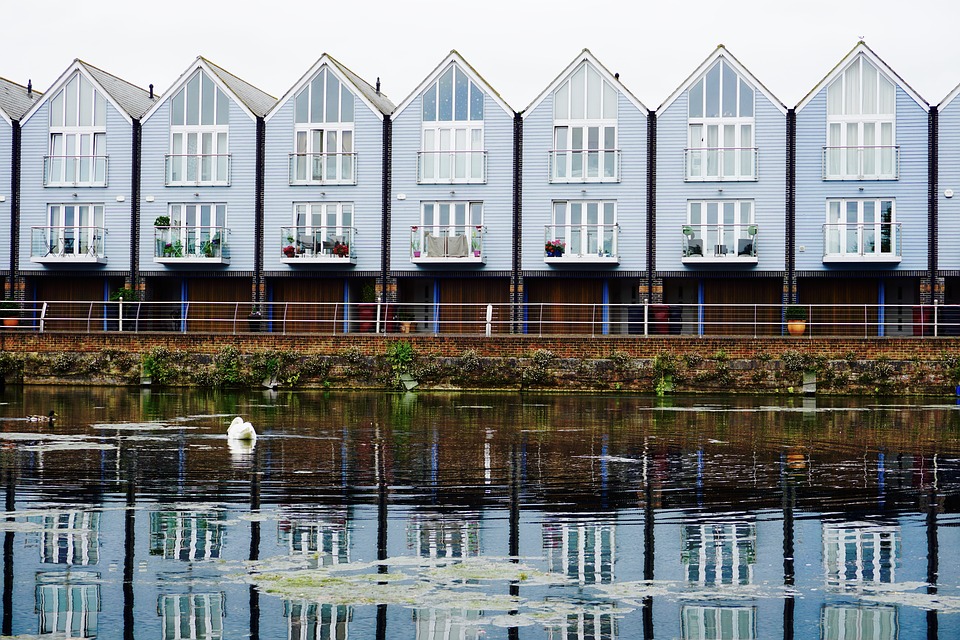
x: 258, y: 213
x: 791, y: 206
x: 933, y: 187
x: 135, y: 208
x: 386, y: 196
x: 651, y: 199
x: 516, y: 277
x: 15, y: 212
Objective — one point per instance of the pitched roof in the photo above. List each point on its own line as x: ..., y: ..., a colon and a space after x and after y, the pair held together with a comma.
x: 14, y: 100
x: 950, y: 96
x: 722, y: 52
x: 454, y: 57
x: 861, y: 48
x: 377, y: 101
x: 586, y: 56
x: 257, y: 101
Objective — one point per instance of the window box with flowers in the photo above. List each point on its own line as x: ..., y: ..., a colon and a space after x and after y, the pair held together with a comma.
x: 341, y: 250
x: 555, y: 248
x: 289, y: 251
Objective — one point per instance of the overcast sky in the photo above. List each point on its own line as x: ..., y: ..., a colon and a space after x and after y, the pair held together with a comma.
x: 518, y: 46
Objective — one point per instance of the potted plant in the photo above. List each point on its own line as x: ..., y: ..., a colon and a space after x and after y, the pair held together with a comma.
x: 290, y: 251
x: 555, y: 248
x: 415, y: 242
x: 796, y: 317
x: 162, y: 221
x: 341, y: 250
x: 10, y: 311
x: 405, y: 318
x: 367, y: 310
x: 123, y: 294
x: 475, y: 243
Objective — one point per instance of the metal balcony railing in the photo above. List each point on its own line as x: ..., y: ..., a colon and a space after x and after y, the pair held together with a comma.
x: 584, y: 165
x: 451, y: 167
x: 581, y: 242
x: 317, y: 245
x: 720, y: 164
x: 879, y: 242
x: 323, y: 168
x: 67, y: 244
x: 198, y: 169
x: 75, y: 171
x: 861, y: 163
x: 719, y: 242
x: 454, y: 243
x: 185, y: 244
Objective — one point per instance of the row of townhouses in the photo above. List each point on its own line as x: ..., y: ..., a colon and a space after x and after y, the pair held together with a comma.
x: 216, y: 191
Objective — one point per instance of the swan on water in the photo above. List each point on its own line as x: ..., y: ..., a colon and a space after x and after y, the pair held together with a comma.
x: 240, y: 430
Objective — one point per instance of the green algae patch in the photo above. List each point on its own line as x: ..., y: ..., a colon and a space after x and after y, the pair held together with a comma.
x: 342, y: 589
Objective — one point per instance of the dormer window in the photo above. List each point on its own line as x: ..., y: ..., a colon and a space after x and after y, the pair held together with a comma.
x: 323, y: 133
x: 721, y: 127
x: 199, y: 133
x: 585, y: 129
x: 452, y: 142
x: 861, y: 138
x: 78, y: 137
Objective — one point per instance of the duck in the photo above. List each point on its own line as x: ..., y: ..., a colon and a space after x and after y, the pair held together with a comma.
x: 240, y: 430
x: 50, y: 417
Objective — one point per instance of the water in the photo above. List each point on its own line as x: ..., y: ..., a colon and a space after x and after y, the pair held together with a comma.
x: 462, y: 516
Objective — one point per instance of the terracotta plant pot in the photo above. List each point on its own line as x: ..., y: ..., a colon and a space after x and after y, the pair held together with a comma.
x: 796, y: 327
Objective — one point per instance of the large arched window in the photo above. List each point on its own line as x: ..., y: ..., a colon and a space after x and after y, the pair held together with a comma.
x: 721, y: 127
x: 585, y: 129
x: 323, y: 133
x: 199, y: 132
x: 861, y: 138
x: 452, y: 142
x: 78, y: 136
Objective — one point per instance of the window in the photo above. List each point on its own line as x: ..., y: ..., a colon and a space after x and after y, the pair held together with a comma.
x: 720, y: 229
x: 75, y: 230
x: 195, y: 231
x: 585, y: 129
x: 323, y: 133
x: 452, y: 130
x: 449, y: 229
x: 321, y: 229
x: 721, y: 127
x: 861, y: 110
x: 584, y: 228
x: 78, y: 136
x: 861, y: 228
x: 199, y: 132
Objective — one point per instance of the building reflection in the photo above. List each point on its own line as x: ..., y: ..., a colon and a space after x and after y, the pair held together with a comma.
x: 68, y: 607
x: 186, y: 535
x: 859, y: 553
x: 850, y: 622
x: 585, y: 625
x: 698, y: 622
x: 314, y: 621
x: 447, y: 624
x: 583, y: 550
x: 440, y: 535
x: 719, y: 552
x: 324, y: 534
x: 69, y: 537
x: 191, y: 616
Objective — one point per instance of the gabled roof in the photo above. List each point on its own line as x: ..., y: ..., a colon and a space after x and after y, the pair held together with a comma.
x: 742, y: 71
x: 455, y: 57
x: 254, y: 102
x: 861, y: 49
x: 14, y: 100
x: 130, y: 100
x: 585, y: 55
x: 950, y: 96
x: 376, y: 101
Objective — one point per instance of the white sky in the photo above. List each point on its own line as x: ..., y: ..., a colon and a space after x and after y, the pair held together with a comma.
x: 519, y: 46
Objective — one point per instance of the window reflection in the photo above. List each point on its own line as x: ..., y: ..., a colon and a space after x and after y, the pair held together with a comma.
x: 719, y: 552
x: 323, y: 535
x: 434, y: 535
x: 448, y: 624
x: 69, y: 537
x: 186, y: 535
x: 68, y: 608
x: 315, y: 621
x: 859, y: 553
x: 718, y: 623
x: 191, y: 616
x: 585, y: 551
x: 848, y: 622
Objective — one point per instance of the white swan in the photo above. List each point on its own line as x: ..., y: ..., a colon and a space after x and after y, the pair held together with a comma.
x: 240, y: 430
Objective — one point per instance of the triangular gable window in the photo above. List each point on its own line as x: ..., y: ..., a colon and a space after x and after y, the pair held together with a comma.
x: 452, y: 138
x: 323, y: 132
x: 199, y: 133
x: 721, y: 127
x: 585, y: 129
x: 78, y: 136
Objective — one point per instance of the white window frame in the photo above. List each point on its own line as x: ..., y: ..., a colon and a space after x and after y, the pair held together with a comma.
x: 720, y: 225
x: 445, y: 219
x: 845, y: 154
x: 721, y: 147
x: 77, y: 151
x: 452, y: 150
x: 81, y: 237
x: 850, y: 234
x: 582, y: 236
x: 199, y: 153
x: 585, y: 145
x: 187, y: 228
x: 323, y: 149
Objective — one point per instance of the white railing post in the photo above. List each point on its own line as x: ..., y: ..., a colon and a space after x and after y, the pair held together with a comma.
x: 646, y: 318
x: 43, y: 316
x: 377, y: 326
x: 936, y: 328
x: 120, y: 314
x: 489, y: 320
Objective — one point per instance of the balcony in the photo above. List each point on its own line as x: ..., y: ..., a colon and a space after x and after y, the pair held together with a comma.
x: 861, y: 163
x: 581, y: 243
x: 719, y: 244
x: 67, y: 245
x: 582, y: 165
x: 449, y: 244
x: 191, y: 245
x: 318, y: 246
x: 75, y: 171
x: 720, y: 164
x: 876, y: 242
x: 451, y: 167
x: 198, y: 170
x: 322, y: 168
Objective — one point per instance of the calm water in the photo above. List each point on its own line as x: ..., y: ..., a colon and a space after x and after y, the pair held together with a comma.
x: 456, y: 516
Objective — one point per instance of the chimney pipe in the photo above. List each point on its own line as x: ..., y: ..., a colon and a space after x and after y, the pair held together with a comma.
x: 151, y: 92
x: 378, y: 85
x: 29, y: 87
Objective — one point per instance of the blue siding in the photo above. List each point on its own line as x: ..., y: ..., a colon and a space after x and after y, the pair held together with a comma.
x: 949, y: 178
x: 630, y: 193
x: 496, y: 194
x: 35, y: 198
x: 239, y: 196
x: 366, y: 195
x: 909, y: 192
x: 768, y: 192
x: 6, y: 163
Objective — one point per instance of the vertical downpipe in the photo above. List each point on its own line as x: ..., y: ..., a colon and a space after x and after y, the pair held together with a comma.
x: 790, y: 236
x: 135, y: 206
x: 258, y: 213
x: 516, y: 278
x: 651, y: 200
x: 933, y: 210
x: 386, y: 188
x: 15, y: 211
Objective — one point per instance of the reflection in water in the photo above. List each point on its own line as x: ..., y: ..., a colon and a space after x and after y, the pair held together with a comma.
x: 191, y: 616
x: 68, y: 604
x: 517, y: 517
